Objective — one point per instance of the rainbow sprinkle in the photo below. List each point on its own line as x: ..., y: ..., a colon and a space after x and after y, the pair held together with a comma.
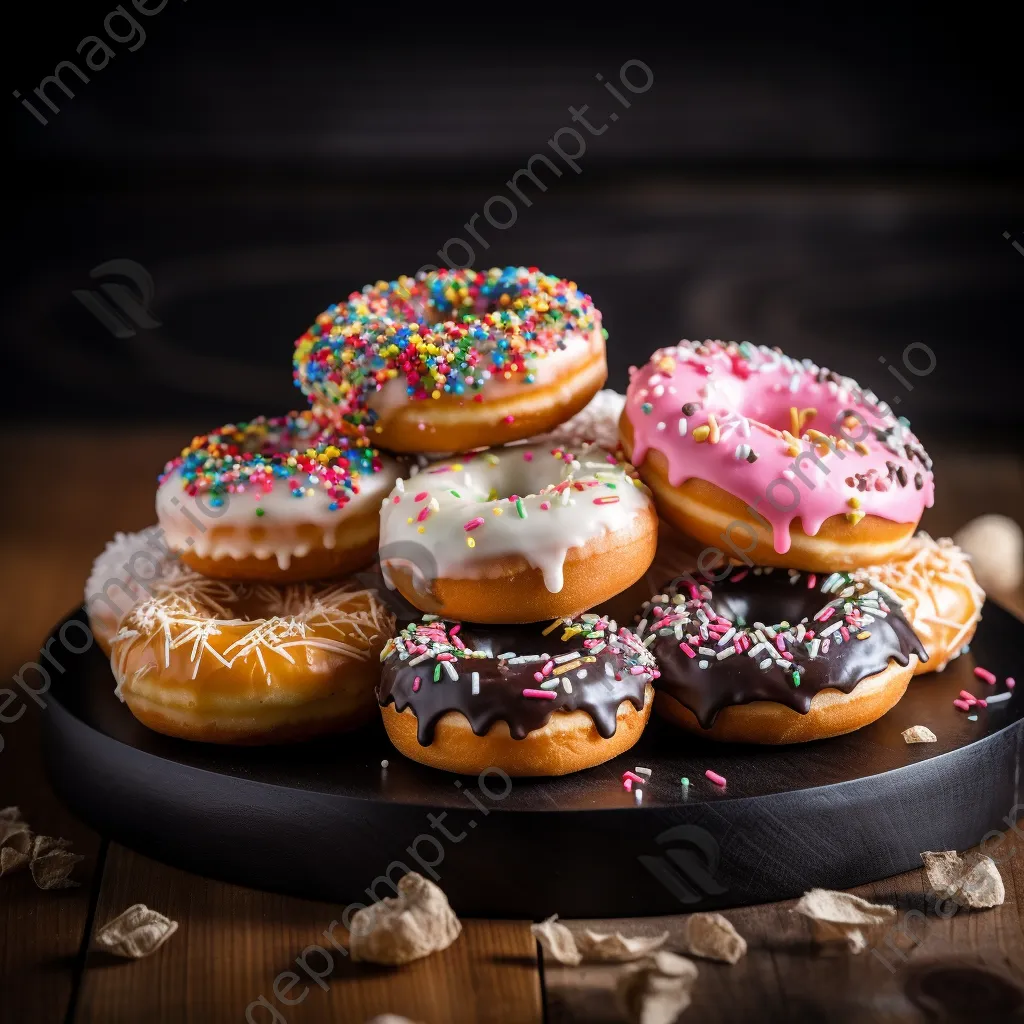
x: 297, y: 451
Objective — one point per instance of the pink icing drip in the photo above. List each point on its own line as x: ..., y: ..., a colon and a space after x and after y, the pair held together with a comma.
x: 759, y: 388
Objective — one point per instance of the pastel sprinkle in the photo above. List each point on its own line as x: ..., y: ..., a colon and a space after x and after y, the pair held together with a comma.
x: 714, y: 777
x: 542, y: 694
x: 984, y: 674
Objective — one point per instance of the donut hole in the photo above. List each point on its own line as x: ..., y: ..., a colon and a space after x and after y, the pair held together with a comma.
x: 766, y: 597
x: 515, y: 478
x: 776, y: 407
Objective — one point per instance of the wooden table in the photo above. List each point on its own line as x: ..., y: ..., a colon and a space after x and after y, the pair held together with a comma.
x: 232, y: 942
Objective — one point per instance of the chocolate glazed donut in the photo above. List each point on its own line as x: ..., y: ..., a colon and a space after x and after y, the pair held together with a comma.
x: 530, y: 699
x: 779, y: 656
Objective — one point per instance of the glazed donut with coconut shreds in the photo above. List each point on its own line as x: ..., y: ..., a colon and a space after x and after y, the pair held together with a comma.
x: 530, y: 700
x: 454, y: 359
x: 519, y: 534
x: 941, y: 597
x: 280, y: 500
x: 269, y: 664
x: 782, y: 461
x: 597, y: 423
x: 777, y: 655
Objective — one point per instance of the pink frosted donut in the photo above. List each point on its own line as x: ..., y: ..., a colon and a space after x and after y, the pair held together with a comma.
x: 774, y: 460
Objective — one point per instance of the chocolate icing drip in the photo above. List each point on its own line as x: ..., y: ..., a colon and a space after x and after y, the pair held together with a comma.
x: 775, y: 598
x: 609, y: 677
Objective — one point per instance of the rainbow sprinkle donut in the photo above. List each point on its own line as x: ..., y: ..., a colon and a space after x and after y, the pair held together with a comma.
x: 281, y: 499
x: 454, y: 359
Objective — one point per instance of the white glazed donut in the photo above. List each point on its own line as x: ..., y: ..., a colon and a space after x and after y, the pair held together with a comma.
x: 518, y: 534
x: 280, y: 500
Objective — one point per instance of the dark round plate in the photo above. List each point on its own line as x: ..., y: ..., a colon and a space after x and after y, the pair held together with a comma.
x: 325, y: 820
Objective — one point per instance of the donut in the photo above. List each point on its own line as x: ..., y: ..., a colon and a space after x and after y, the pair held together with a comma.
x: 597, y: 422
x: 774, y: 460
x: 530, y: 700
x: 941, y: 598
x: 289, y: 663
x: 454, y: 359
x: 126, y: 571
x: 519, y: 534
x: 279, y: 500
x: 778, y: 656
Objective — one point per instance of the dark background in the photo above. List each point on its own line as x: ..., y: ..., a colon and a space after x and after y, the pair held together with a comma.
x: 838, y: 187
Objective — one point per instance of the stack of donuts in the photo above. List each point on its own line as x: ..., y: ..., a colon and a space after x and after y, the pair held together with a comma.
x: 436, y: 538
x: 256, y: 615
x: 812, y: 603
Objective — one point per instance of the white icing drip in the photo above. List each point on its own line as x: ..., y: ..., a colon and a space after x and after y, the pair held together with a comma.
x: 463, y: 489
x: 191, y: 523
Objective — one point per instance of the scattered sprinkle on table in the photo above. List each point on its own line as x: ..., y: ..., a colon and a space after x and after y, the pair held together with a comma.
x: 714, y: 777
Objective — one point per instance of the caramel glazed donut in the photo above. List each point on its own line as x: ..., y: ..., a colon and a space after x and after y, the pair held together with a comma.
x: 518, y: 534
x: 837, y: 655
x: 280, y: 500
x: 270, y: 665
x: 529, y: 700
x: 941, y: 597
x: 454, y: 359
x: 722, y: 432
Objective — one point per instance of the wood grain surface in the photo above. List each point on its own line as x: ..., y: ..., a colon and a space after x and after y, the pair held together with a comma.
x: 233, y: 943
